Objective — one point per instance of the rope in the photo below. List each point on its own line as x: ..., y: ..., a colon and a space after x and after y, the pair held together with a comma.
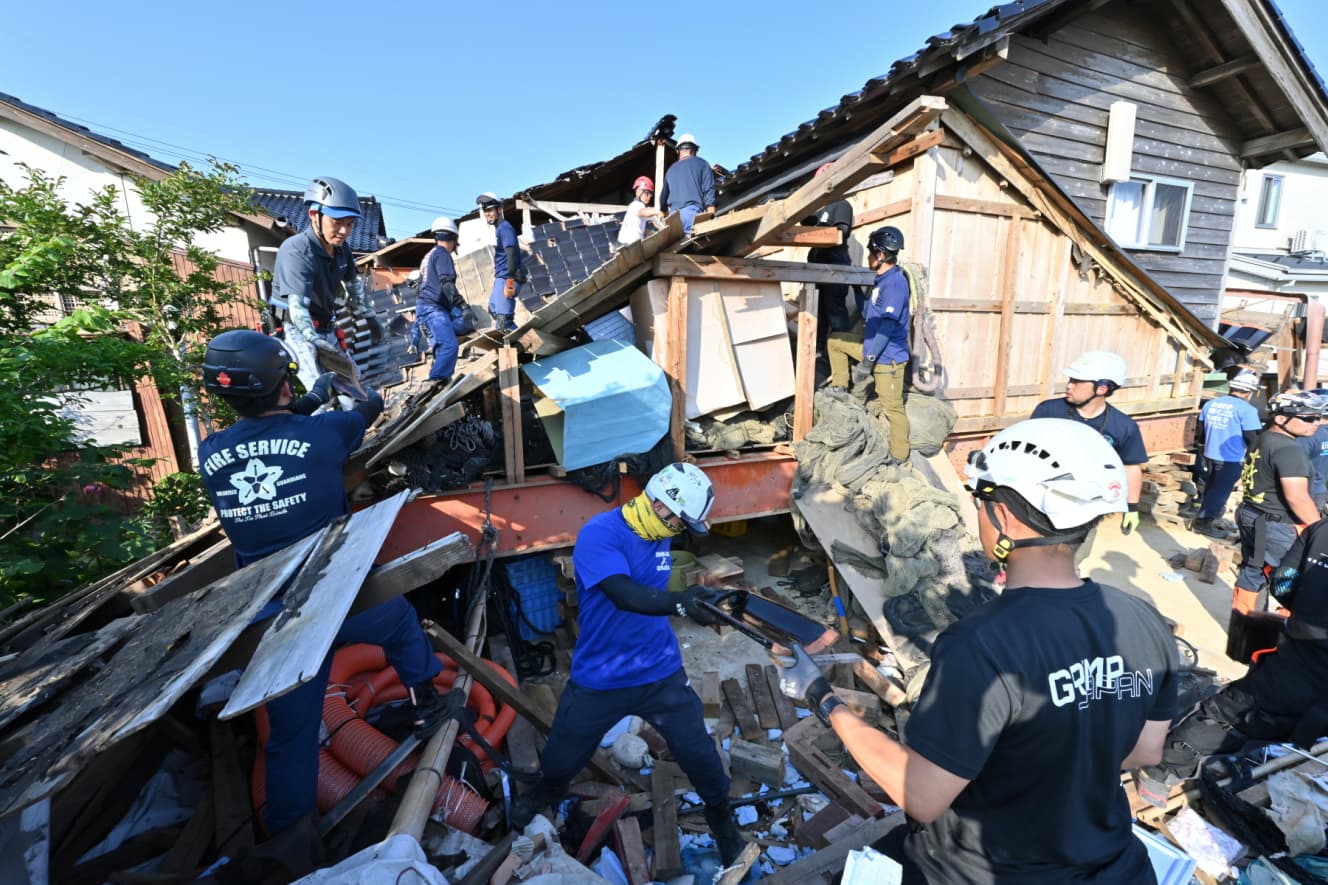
x: 928, y: 370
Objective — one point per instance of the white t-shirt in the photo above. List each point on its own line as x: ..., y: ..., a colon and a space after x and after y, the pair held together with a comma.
x: 633, y: 226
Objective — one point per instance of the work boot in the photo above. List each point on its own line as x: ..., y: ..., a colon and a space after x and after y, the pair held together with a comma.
x: 1208, y: 527
x: 535, y: 800
x: 431, y: 710
x: 725, y: 830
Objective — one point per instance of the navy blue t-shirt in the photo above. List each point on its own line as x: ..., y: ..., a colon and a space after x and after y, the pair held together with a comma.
x: 438, y: 265
x: 1316, y: 447
x: 305, y: 270
x: 504, y: 236
x: 1115, y: 426
x: 616, y: 648
x: 277, y: 479
x: 885, y: 336
x: 689, y: 182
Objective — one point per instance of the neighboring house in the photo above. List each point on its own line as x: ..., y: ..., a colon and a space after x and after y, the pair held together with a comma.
x: 1144, y: 114
x: 89, y: 161
x: 1280, y: 242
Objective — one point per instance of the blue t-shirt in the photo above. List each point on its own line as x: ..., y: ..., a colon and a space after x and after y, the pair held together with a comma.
x: 504, y: 236
x: 885, y: 337
x: 277, y: 479
x: 616, y: 648
x: 305, y: 270
x: 1225, y: 419
x: 1115, y: 426
x: 1316, y: 447
x: 437, y: 266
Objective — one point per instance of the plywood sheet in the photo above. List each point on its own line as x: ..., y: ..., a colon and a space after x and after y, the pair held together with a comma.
x: 713, y: 381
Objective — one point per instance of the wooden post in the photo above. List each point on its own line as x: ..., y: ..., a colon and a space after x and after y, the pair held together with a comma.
x: 804, y: 385
x: 509, y: 384
x: 668, y: 854
x: 659, y: 175
x: 1050, y: 372
x: 924, y: 207
x: 1005, y: 337
x: 677, y: 367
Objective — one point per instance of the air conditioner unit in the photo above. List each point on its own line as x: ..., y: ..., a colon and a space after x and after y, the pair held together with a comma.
x: 1300, y: 241
x: 1307, y: 241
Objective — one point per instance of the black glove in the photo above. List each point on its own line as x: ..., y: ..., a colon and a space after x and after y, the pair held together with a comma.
x: 320, y: 394
x: 803, y: 680
x: 862, y: 372
x: 375, y: 329
x: 689, y: 604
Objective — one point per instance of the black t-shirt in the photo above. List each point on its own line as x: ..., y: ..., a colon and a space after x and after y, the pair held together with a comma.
x: 838, y: 214
x: 1297, y: 675
x: 1037, y: 698
x: 1116, y: 427
x: 1277, y: 456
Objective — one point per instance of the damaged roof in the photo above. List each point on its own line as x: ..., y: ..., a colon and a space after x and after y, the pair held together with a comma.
x: 288, y: 206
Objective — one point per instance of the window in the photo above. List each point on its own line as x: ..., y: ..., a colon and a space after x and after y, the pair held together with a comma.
x: 1270, y: 200
x: 1149, y: 213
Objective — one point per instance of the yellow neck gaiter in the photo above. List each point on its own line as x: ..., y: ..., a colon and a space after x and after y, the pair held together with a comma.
x: 642, y: 519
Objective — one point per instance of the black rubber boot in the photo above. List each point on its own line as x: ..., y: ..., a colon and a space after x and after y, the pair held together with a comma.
x: 431, y: 710
x: 725, y: 830
x: 533, y: 801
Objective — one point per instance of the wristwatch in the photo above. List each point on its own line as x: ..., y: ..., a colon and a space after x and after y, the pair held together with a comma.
x: 827, y: 705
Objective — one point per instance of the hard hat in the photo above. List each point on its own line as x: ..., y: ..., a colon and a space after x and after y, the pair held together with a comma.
x: 246, y: 364
x: 686, y: 491
x: 643, y: 181
x: 333, y: 198
x: 886, y: 239
x: 1097, y: 365
x: 1245, y: 381
x: 1064, y: 469
x: 487, y: 200
x: 1298, y: 404
x: 443, y: 225
x: 687, y: 139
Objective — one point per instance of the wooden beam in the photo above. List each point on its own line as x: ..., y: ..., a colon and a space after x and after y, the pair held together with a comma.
x: 664, y: 804
x: 1276, y: 143
x: 804, y: 372
x: 983, y: 207
x: 1219, y: 72
x: 807, y: 236
x: 1005, y: 337
x: 921, y: 144
x: 816, y: 767
x: 759, y: 270
x: 677, y: 367
x: 509, y: 386
x: 889, y: 210
x: 550, y: 207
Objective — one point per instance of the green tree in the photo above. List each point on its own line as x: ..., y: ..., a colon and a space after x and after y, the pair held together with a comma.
x: 141, y: 311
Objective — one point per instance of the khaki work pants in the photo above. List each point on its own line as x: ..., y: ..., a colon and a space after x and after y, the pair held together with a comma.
x: 889, y: 379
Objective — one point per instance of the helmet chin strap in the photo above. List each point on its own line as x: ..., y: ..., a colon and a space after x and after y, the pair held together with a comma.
x: 1005, y: 545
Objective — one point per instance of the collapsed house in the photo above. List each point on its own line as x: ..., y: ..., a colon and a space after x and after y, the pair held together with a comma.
x: 984, y: 148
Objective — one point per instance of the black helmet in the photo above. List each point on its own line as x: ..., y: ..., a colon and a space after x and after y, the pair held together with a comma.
x: 886, y: 239
x: 333, y: 197
x: 246, y: 364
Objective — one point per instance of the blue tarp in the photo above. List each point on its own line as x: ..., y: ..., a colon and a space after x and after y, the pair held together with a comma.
x: 600, y: 401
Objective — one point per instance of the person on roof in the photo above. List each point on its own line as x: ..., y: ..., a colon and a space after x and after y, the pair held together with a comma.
x: 832, y: 305
x: 1228, y: 428
x: 639, y: 212
x: 508, y: 272
x: 1277, y: 504
x: 440, y: 309
x: 1080, y: 677
x: 314, y: 270
x: 881, y: 347
x: 274, y: 478
x: 1090, y: 380
x: 626, y: 661
x: 689, y: 185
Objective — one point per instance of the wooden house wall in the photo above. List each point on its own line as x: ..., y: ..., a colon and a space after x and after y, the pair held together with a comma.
x: 1054, y: 96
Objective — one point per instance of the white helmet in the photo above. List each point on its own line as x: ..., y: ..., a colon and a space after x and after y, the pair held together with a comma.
x: 1245, y: 380
x: 1064, y: 469
x: 686, y: 491
x: 687, y: 138
x: 1098, y: 365
x: 443, y: 225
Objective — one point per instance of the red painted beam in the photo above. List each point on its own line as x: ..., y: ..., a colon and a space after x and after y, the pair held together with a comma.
x: 545, y: 513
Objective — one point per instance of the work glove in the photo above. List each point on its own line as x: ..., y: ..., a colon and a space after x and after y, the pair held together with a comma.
x: 862, y: 372
x: 323, y: 344
x: 1129, y: 522
x: 322, y: 389
x: 802, y: 679
x: 375, y: 329
x: 509, y: 288
x: 689, y: 604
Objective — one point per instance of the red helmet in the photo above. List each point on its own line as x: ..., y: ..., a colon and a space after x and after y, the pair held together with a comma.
x: 643, y: 181
x: 823, y: 168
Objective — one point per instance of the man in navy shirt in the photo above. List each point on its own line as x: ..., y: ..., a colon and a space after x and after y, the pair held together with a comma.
x: 1316, y: 447
x: 1079, y: 676
x: 626, y: 660
x: 1090, y: 380
x: 440, y: 309
x: 508, y: 273
x: 689, y: 185
x: 274, y: 477
x: 881, y: 351
x: 313, y: 269
x: 1228, y: 427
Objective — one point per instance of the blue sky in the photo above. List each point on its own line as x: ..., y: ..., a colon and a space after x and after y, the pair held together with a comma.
x: 427, y: 104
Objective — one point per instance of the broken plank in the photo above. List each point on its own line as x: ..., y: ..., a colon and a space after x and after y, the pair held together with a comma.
x: 601, y: 827
x: 766, y: 714
x: 742, y: 710
x: 712, y: 700
x: 826, y: 864
x: 630, y: 850
x: 298, y: 640
x: 668, y: 854
x: 816, y: 767
x: 783, y: 706
x: 864, y: 705
x: 762, y: 763
x: 412, y: 571
x: 736, y: 873
x: 884, y: 688
x: 213, y: 564
x: 760, y: 270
